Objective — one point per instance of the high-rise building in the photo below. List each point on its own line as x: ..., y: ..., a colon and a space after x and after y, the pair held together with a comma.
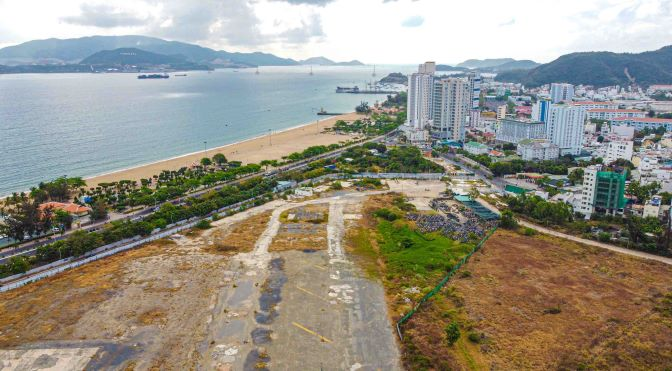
x: 540, y: 110
x: 451, y: 105
x: 475, y: 79
x: 602, y: 191
x: 562, y: 92
x: 565, y: 128
x: 420, y: 86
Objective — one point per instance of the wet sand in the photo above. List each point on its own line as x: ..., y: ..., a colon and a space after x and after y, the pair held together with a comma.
x: 249, y: 151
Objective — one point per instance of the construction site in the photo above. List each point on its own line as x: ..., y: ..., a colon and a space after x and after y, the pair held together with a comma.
x: 319, y: 280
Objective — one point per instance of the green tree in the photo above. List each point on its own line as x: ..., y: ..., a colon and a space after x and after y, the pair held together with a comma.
x: 452, y: 333
x: 98, y: 210
x: 576, y: 176
x: 508, y: 221
x: 18, y: 264
x: 63, y: 220
x: 206, y: 162
x: 219, y: 159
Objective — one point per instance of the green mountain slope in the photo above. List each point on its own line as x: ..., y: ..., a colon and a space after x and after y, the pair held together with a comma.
x: 130, y: 56
x: 599, y: 69
x: 75, y: 50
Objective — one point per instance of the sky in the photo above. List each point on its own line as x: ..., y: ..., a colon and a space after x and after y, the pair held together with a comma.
x: 372, y: 31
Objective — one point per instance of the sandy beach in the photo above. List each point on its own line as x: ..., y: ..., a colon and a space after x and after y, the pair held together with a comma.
x: 249, y: 151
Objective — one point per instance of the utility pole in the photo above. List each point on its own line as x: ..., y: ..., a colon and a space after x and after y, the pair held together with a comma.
x: 205, y: 148
x: 269, y: 137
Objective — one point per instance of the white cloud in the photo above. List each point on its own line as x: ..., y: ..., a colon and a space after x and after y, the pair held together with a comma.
x: 413, y: 21
x: 375, y: 31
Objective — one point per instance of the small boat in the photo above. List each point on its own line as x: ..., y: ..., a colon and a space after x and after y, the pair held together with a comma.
x: 180, y: 75
x: 257, y: 71
x: 154, y: 76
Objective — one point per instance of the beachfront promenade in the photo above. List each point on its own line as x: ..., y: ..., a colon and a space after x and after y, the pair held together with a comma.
x: 30, y: 248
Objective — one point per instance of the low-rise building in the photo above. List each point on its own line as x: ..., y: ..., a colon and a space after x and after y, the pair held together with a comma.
x: 537, y: 150
x: 77, y: 211
x: 618, y: 150
x: 642, y: 123
x: 652, y: 208
x: 608, y: 114
x: 513, y: 131
x: 476, y: 148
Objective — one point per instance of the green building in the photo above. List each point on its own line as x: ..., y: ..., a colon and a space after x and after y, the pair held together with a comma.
x: 610, y: 190
x: 603, y: 191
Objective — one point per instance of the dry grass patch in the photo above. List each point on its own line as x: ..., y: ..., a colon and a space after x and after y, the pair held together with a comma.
x: 239, y: 237
x: 303, y: 228
x: 548, y: 303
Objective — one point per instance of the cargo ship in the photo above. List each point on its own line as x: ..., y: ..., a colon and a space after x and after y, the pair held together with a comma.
x: 154, y: 76
x: 340, y: 89
x: 323, y: 112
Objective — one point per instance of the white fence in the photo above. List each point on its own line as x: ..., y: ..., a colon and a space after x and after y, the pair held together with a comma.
x: 107, y: 250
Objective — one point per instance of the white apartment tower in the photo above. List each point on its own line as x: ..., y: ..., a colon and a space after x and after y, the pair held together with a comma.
x: 565, y: 128
x: 420, y: 87
x: 452, y: 103
x: 561, y: 92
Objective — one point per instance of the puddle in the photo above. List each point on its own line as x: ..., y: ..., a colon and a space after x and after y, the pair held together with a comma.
x: 261, y: 336
x: 270, y: 292
x: 256, y: 361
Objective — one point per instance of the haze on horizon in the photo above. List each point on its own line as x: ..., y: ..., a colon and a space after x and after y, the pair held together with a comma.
x: 373, y: 31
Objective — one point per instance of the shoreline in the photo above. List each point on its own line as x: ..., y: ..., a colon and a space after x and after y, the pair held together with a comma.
x: 251, y: 150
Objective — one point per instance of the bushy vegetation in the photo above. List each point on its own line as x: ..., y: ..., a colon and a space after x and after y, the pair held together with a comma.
x: 395, y: 160
x: 378, y: 124
x: 543, y: 212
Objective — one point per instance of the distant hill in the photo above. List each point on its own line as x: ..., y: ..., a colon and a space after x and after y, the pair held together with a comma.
x: 395, y: 78
x: 445, y: 67
x: 516, y: 65
x: 485, y: 63
x: 75, y: 50
x: 130, y: 56
x: 322, y: 61
x: 600, y: 69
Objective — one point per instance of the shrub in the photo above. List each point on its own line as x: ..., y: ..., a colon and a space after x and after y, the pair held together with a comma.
x: 203, y: 224
x: 474, y: 337
x: 386, y: 214
x: 508, y: 221
x: 604, y: 237
x: 452, y: 333
x: 529, y: 231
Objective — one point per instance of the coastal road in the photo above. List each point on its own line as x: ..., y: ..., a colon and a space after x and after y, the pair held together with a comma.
x: 30, y: 248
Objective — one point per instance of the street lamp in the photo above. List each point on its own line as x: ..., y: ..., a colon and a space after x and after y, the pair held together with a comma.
x: 205, y: 147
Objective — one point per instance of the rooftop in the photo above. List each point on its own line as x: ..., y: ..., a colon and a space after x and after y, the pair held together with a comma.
x: 643, y: 119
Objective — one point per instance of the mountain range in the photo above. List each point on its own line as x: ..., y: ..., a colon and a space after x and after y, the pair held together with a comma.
x: 75, y: 51
x: 322, y: 61
x: 600, y: 69
x: 490, y: 65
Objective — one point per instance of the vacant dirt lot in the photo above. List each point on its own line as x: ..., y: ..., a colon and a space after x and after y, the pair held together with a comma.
x: 545, y: 303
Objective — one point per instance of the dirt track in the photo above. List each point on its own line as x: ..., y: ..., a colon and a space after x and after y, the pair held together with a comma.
x: 202, y: 301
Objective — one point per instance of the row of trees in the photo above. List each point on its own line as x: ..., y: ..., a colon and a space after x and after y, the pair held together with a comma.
x: 81, y: 242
